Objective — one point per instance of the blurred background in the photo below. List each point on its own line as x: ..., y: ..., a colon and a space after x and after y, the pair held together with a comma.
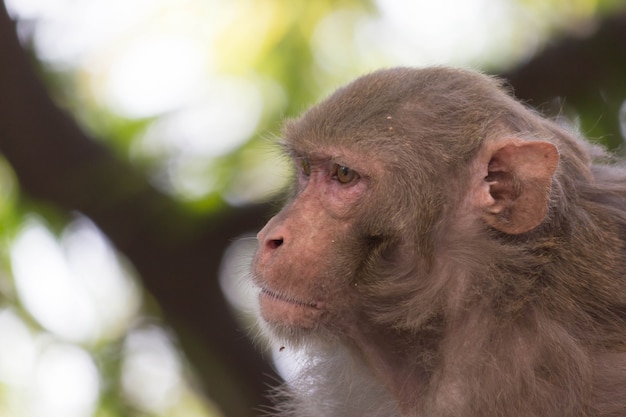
x: 136, y: 146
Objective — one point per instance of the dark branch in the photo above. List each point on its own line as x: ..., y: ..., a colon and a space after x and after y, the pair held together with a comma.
x: 574, y: 66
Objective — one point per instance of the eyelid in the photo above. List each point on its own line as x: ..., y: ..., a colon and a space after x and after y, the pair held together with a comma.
x: 303, y: 165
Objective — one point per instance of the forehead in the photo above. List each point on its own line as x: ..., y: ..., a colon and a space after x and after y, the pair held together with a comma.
x: 389, y: 139
x: 356, y: 113
x: 346, y: 130
x: 401, y: 115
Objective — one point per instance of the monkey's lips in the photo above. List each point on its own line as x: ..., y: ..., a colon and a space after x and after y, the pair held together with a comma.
x: 287, y: 298
x: 285, y: 310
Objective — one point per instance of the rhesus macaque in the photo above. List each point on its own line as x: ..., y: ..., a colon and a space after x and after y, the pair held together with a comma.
x: 445, y: 251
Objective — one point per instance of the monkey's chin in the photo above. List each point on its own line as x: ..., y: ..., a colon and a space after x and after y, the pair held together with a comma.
x: 282, y: 311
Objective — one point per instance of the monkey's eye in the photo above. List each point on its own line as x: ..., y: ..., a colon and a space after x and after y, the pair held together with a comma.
x: 345, y: 175
x: 305, y: 166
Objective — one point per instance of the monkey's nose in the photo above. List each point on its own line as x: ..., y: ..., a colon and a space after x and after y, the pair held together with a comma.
x: 269, y: 240
x: 274, y: 243
x: 272, y: 236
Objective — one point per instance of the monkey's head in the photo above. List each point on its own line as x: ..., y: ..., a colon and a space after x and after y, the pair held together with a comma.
x: 389, y: 168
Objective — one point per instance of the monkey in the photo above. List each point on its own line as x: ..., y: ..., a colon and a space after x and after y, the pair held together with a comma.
x: 445, y: 251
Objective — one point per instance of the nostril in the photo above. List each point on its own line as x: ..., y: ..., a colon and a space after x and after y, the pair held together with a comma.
x: 274, y: 243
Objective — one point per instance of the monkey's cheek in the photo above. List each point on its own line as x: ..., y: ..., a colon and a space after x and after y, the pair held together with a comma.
x: 284, y: 313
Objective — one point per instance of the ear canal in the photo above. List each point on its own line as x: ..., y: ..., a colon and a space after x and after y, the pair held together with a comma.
x: 519, y: 178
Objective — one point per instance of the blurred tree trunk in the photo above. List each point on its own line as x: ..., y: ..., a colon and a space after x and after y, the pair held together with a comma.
x: 177, y: 255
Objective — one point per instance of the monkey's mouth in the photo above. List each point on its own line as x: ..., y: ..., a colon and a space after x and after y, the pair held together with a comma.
x: 287, y: 298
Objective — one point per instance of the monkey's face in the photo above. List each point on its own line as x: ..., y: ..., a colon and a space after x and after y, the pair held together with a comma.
x: 308, y: 253
x: 385, y: 174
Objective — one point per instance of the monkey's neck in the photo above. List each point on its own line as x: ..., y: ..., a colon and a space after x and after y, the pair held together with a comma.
x: 399, y: 362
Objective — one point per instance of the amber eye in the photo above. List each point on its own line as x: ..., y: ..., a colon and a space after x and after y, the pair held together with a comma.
x: 345, y: 174
x: 305, y: 166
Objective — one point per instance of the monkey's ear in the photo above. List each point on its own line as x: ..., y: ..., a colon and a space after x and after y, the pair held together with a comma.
x: 516, y: 190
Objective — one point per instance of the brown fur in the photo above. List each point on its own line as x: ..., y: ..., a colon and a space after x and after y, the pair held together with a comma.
x: 464, y: 273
